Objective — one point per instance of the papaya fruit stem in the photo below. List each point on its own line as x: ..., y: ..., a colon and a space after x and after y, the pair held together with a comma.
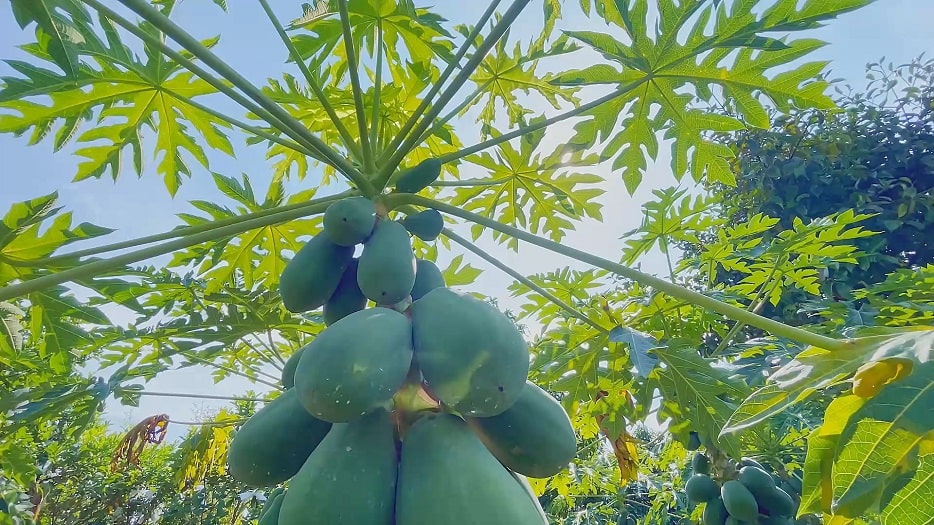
x: 672, y: 289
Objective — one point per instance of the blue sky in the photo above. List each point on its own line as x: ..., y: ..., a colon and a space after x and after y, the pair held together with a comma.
x: 896, y: 29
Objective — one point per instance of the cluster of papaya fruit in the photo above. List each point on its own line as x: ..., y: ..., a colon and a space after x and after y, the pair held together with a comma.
x: 412, y: 410
x: 753, y: 496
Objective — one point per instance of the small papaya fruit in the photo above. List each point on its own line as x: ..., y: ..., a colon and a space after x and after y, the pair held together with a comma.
x: 427, y: 277
x: 694, y: 441
x: 426, y: 225
x: 348, y: 222
x: 350, y: 480
x: 473, y: 358
x: 270, y: 514
x: 739, y: 502
x: 274, y: 442
x: 288, y: 370
x: 700, y: 463
x: 533, y: 437
x: 355, y: 365
x: 756, y: 480
x: 715, y: 513
x: 419, y: 177
x: 749, y: 462
x: 347, y: 298
x: 386, y: 272
x: 313, y: 274
x: 776, y: 502
x: 270, y: 499
x: 701, y: 489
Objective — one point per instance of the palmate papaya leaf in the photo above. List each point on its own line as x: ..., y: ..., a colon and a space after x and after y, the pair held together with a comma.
x: 913, y: 504
x: 671, y: 83
x: 60, y: 326
x: 256, y: 256
x: 502, y: 75
x: 640, y: 345
x: 459, y: 273
x: 696, y: 393
x: 115, y: 97
x: 530, y: 190
x: 571, y: 286
x: 204, y: 451
x: 58, y: 35
x: 816, y: 368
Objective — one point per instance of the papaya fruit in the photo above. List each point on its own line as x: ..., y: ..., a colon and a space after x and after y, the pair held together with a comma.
x: 310, y: 278
x: 524, y: 482
x: 347, y: 298
x: 756, y: 480
x: 417, y: 178
x: 700, y: 463
x: 447, y: 476
x: 472, y: 357
x: 714, y: 513
x: 426, y: 225
x: 749, y: 462
x: 427, y: 277
x: 694, y: 441
x: 348, y: 222
x: 776, y: 502
x: 355, y: 365
x: 350, y: 479
x: 273, y: 443
x: 288, y: 370
x: 270, y: 515
x: 270, y: 499
x: 776, y: 520
x: 533, y: 437
x: 701, y: 489
x: 731, y: 520
x: 739, y: 502
x: 386, y: 272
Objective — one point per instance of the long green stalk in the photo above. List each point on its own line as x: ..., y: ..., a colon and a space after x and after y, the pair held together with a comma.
x: 144, y: 9
x: 182, y: 232
x: 377, y: 90
x: 573, y: 312
x: 190, y: 65
x: 393, y: 200
x: 92, y: 269
x: 543, y: 124
x: 439, y: 123
x: 436, y: 87
x: 312, y: 82
x: 412, y: 140
x: 355, y: 88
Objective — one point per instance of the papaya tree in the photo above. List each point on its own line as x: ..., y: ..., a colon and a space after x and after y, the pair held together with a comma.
x: 398, y: 380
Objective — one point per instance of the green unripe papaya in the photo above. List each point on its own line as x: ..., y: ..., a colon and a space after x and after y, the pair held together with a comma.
x: 270, y: 515
x: 347, y: 299
x: 739, y: 502
x: 447, y: 476
x: 472, y: 356
x: 749, y: 462
x: 700, y: 463
x: 348, y: 222
x: 349, y: 480
x: 776, y: 520
x: 288, y: 370
x: 756, y: 480
x: 731, y: 520
x: 273, y: 443
x: 355, y: 365
x: 386, y: 272
x: 524, y: 482
x: 313, y: 274
x: 701, y: 489
x: 694, y: 441
x: 776, y: 502
x: 533, y: 437
x: 426, y: 225
x: 270, y: 499
x: 419, y: 177
x: 427, y: 277
x: 715, y: 513
x: 795, y: 482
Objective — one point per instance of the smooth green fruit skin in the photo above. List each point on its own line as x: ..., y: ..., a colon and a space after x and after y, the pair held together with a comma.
x: 756, y: 480
x: 527, y: 487
x: 349, y: 480
x: 731, y: 520
x: 313, y: 274
x: 347, y: 299
x: 739, y: 502
x: 355, y: 364
x: 700, y: 463
x: 270, y: 515
x: 348, y: 222
x: 427, y: 277
x: 701, y: 489
x: 448, y: 477
x: 270, y: 499
x: 419, y: 177
x: 694, y: 441
x: 386, y: 273
x: 288, y: 370
x: 533, y: 437
x: 426, y: 225
x: 472, y: 357
x: 715, y: 513
x: 749, y: 462
x: 272, y: 445
x: 776, y: 502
